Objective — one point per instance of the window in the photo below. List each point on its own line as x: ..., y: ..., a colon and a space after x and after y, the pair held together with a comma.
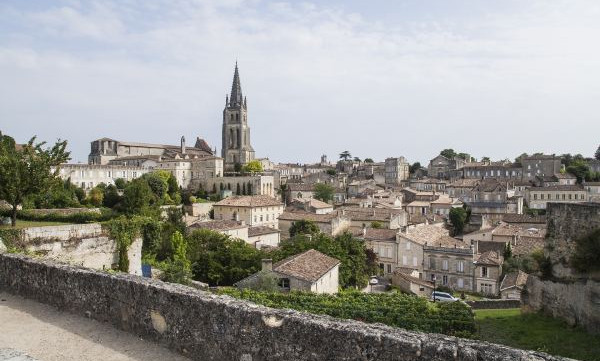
x: 415, y: 261
x: 445, y: 280
x: 284, y: 283
x: 461, y: 283
x: 445, y: 265
x: 404, y: 260
x: 460, y: 266
x: 407, y: 245
x: 389, y: 268
x: 484, y: 271
x: 432, y: 263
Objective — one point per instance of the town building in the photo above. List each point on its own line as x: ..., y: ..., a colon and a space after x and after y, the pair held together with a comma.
x: 449, y: 262
x: 396, y: 170
x: 488, y: 269
x: 538, y: 197
x: 236, y: 148
x: 512, y: 285
x: 253, y: 210
x: 88, y: 176
x: 540, y: 165
x: 331, y: 224
x: 593, y: 191
x: 308, y: 271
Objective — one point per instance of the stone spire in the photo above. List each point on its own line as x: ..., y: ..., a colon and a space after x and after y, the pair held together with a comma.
x: 236, y: 98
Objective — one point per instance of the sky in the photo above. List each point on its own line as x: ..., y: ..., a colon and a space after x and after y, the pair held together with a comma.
x: 377, y: 78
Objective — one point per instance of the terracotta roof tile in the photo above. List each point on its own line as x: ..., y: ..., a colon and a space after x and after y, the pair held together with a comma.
x: 249, y: 201
x: 310, y: 265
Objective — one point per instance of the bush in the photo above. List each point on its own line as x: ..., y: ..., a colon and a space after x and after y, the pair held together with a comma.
x: 81, y: 217
x: 587, y: 253
x: 393, y: 309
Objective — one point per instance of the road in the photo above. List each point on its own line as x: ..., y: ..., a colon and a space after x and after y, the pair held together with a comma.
x: 46, y: 334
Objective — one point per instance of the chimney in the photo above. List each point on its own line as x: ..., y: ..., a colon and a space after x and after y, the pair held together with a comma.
x: 267, y: 264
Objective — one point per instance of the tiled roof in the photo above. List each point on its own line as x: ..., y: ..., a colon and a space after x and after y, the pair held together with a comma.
x: 425, y: 234
x: 448, y: 242
x: 463, y: 183
x: 561, y: 188
x: 490, y: 185
x: 308, y: 216
x: 315, y: 203
x: 378, y: 234
x: 310, y: 265
x: 398, y: 272
x: 489, y: 258
x: 260, y: 230
x: 565, y: 176
x: 527, y: 245
x: 514, y: 279
x: 249, y: 201
x: 218, y: 225
x: 419, y: 204
x: 523, y: 218
x: 301, y: 187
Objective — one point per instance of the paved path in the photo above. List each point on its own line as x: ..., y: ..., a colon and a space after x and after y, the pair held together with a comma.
x: 29, y: 328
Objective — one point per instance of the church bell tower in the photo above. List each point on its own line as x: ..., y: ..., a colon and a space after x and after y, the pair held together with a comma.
x: 236, y: 148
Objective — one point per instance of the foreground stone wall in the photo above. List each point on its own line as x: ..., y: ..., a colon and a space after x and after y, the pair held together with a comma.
x: 209, y: 327
x: 576, y: 302
x: 85, y: 245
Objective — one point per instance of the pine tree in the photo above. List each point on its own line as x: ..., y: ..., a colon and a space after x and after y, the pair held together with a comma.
x: 597, y: 155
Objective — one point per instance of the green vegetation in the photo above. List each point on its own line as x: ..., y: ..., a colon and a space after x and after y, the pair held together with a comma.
x: 597, y: 154
x: 324, y: 192
x: 52, y: 217
x: 178, y: 270
x: 392, y: 308
x: 303, y: 227
x: 29, y: 224
x: 124, y: 231
x: 345, y: 155
x: 253, y: 166
x: 587, y: 253
x: 26, y: 170
x: 536, y: 332
x: 369, y: 160
x: 414, y: 167
x: 458, y: 218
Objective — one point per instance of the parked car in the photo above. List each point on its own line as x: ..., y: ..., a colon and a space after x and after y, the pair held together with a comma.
x: 442, y: 297
x: 373, y: 281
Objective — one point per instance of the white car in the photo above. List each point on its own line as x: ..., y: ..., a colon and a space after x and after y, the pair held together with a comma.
x: 442, y: 297
x: 373, y: 281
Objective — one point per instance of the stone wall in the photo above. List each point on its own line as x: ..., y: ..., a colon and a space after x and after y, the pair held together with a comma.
x: 209, y: 327
x: 576, y: 302
x: 85, y: 245
x: 572, y: 296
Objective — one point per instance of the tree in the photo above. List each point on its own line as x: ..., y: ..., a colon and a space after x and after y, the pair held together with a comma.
x: 120, y: 183
x: 332, y: 172
x: 138, y: 198
x: 357, y: 159
x: 507, y: 251
x: 485, y: 159
x: 369, y: 160
x: 303, y: 227
x: 96, y: 197
x: 111, y: 196
x: 283, y: 192
x: 253, y: 166
x: 376, y: 225
x: 414, y: 167
x: 218, y: 259
x: 178, y: 270
x: 448, y: 153
x: 458, y: 218
x: 579, y: 168
x: 345, y: 155
x: 597, y: 154
x: 324, y: 192
x: 464, y: 156
x: 27, y: 169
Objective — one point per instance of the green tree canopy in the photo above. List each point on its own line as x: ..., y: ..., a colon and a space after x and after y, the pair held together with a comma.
x: 448, y: 153
x: 253, y: 166
x: 324, y: 192
x: 26, y: 170
x: 345, y: 155
x: 458, y: 218
x: 414, y: 167
x: 138, y: 198
x: 369, y: 160
x: 303, y: 227
x: 597, y: 154
x: 579, y: 168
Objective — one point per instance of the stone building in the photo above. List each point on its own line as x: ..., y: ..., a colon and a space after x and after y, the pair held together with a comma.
x: 449, y: 262
x: 538, y: 197
x: 254, y: 210
x: 396, y: 170
x: 384, y: 243
x: 488, y: 269
x: 512, y: 285
x: 88, y: 176
x: 308, y: 271
x: 540, y: 165
x: 236, y: 146
x: 593, y: 191
x: 331, y: 224
x: 441, y: 167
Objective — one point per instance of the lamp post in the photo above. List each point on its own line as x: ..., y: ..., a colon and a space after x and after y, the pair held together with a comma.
x: 434, y: 279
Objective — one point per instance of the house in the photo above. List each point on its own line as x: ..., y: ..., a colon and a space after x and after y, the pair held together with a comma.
x: 538, y: 197
x: 419, y: 207
x: 364, y: 217
x: 488, y: 268
x: 234, y: 229
x: 262, y: 236
x: 449, y: 262
x: 512, y: 285
x: 311, y: 205
x: 593, y: 191
x: 493, y: 199
x: 260, y: 210
x: 523, y: 240
x: 411, y: 283
x: 308, y: 271
x: 331, y: 224
x: 540, y: 164
x: 443, y: 205
x: 300, y: 190
x: 502, y: 170
x: 384, y: 243
x: 411, y: 242
x: 396, y: 170
x: 441, y: 167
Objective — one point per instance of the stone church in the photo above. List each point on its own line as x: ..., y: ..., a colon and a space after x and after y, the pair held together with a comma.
x: 236, y: 147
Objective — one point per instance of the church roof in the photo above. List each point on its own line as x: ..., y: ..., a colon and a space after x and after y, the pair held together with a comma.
x: 236, y: 98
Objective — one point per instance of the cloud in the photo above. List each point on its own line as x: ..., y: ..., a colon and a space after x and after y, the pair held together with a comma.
x: 320, y: 78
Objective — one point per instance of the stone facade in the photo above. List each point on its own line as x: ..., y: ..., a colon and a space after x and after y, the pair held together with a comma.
x: 204, y: 326
x: 88, y: 176
x: 396, y: 170
x: 236, y: 147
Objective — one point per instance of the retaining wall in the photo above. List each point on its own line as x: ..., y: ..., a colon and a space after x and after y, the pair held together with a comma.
x: 209, y: 327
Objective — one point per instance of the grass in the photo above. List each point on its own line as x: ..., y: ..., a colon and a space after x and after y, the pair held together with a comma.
x: 28, y: 224
x: 536, y: 332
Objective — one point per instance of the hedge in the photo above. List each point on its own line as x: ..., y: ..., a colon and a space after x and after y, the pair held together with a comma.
x: 83, y: 217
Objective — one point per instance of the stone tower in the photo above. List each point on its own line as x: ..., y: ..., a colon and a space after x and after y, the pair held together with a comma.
x: 236, y: 148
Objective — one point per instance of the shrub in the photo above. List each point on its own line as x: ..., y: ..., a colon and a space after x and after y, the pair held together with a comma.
x: 587, y: 253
